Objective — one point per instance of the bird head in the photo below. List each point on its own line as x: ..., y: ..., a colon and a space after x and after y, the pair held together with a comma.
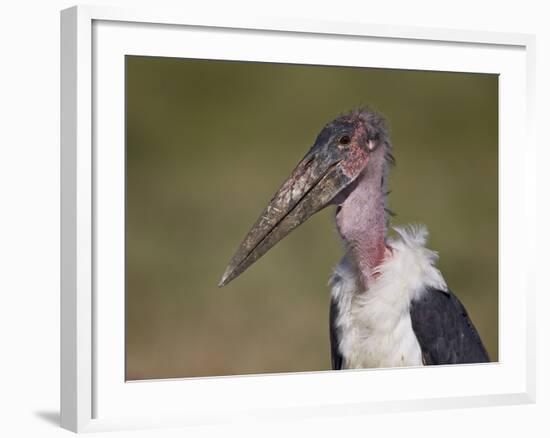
x: 325, y: 176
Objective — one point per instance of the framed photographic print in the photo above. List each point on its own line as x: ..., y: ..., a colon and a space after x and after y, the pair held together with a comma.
x: 285, y: 162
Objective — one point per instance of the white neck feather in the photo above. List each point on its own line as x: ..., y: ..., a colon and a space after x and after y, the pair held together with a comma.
x: 375, y: 323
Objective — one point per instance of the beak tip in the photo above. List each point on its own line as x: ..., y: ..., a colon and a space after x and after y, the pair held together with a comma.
x: 225, y: 277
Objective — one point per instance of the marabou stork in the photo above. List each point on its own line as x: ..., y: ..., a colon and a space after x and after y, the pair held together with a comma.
x: 390, y: 305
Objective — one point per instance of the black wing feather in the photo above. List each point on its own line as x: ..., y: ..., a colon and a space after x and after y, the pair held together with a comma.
x: 444, y: 330
x: 336, y: 357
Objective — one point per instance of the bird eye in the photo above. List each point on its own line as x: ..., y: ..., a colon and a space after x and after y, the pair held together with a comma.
x: 344, y: 140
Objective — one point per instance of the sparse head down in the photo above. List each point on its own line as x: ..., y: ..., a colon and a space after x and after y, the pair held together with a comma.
x: 346, y: 166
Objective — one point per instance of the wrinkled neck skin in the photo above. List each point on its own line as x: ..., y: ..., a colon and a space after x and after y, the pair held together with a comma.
x: 361, y: 219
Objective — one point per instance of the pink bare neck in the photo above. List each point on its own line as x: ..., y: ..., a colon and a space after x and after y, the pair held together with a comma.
x: 361, y: 219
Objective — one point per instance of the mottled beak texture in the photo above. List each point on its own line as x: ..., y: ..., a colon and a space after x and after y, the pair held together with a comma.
x: 332, y: 164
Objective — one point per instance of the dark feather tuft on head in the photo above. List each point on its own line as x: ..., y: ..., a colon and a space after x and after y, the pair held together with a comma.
x: 390, y: 159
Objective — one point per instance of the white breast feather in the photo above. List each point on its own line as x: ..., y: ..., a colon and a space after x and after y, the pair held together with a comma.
x: 375, y: 325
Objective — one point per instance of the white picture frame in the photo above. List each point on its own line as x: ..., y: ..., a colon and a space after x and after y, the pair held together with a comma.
x: 94, y: 395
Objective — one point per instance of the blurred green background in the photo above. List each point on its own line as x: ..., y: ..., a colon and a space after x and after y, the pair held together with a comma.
x: 209, y: 142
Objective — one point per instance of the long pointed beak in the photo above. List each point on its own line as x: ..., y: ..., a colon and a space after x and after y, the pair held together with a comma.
x: 316, y: 180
